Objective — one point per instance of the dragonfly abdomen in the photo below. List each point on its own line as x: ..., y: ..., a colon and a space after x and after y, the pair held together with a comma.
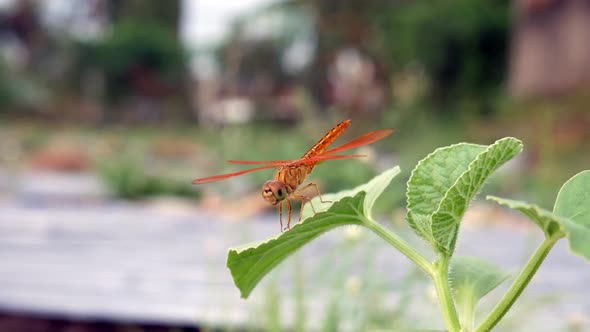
x: 325, y: 141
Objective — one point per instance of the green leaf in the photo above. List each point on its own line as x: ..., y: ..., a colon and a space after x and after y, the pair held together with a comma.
x: 573, y: 203
x: 430, y: 181
x: 546, y: 220
x: 249, y: 264
x: 570, y: 216
x: 471, y: 279
x: 444, y: 183
x: 446, y: 220
x: 373, y: 188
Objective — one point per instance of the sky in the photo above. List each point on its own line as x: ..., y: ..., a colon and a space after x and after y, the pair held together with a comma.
x: 207, y: 21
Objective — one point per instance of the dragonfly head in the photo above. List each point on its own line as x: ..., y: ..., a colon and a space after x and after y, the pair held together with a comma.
x: 274, y: 191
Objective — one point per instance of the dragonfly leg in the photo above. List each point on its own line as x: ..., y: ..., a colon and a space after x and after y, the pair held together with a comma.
x: 281, y: 214
x: 308, y: 199
x: 317, y: 190
x: 303, y: 199
x: 289, y: 213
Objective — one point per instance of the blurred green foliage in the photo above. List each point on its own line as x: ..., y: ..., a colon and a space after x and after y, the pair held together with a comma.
x: 18, y: 91
x: 140, y: 43
x: 136, y: 48
x: 127, y: 179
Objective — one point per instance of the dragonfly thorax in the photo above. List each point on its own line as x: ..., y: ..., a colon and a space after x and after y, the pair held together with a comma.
x: 274, y: 191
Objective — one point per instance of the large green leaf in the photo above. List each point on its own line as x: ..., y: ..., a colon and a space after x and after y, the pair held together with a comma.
x: 249, y: 264
x: 573, y: 203
x: 471, y: 279
x: 444, y: 183
x: 446, y: 220
x: 430, y: 181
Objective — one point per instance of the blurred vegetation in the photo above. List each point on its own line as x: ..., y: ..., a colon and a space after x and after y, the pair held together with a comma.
x: 5, y: 88
x: 441, y: 65
x: 127, y: 179
x: 461, y: 44
x: 139, y: 48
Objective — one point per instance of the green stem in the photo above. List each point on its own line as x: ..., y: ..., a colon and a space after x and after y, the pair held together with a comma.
x: 401, y: 245
x: 438, y: 273
x: 518, y: 285
x: 467, y: 314
x: 441, y: 283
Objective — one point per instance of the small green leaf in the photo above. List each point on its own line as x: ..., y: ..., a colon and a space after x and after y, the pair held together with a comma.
x: 573, y: 203
x: 570, y: 216
x: 471, y: 279
x: 249, y: 264
x: 444, y: 183
x: 543, y: 218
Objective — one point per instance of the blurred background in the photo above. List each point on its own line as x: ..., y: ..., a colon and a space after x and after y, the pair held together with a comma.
x: 109, y: 108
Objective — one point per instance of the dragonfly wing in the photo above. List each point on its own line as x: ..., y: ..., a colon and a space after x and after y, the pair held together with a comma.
x: 324, y: 157
x: 230, y: 175
x: 368, y: 138
x: 261, y: 162
x: 365, y: 139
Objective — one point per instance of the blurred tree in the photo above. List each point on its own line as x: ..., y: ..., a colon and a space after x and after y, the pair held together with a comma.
x: 344, y: 26
x: 6, y: 95
x: 23, y: 44
x: 139, y: 57
x: 461, y: 44
x: 166, y: 13
x: 138, y: 67
x: 141, y: 60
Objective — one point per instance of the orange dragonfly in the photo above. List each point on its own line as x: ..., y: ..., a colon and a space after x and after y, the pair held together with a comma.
x: 291, y: 173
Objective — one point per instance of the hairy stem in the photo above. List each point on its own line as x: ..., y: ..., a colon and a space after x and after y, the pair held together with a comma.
x: 467, y: 315
x: 518, y: 285
x: 441, y: 283
x: 401, y: 245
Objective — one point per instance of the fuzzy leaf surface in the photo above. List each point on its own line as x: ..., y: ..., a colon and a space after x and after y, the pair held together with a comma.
x: 444, y: 183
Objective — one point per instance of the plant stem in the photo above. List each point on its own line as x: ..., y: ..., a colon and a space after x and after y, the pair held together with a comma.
x: 438, y: 272
x: 401, y: 245
x: 467, y: 320
x: 441, y: 283
x: 518, y: 285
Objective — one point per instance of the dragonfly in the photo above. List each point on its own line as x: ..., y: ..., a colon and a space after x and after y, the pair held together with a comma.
x: 290, y: 174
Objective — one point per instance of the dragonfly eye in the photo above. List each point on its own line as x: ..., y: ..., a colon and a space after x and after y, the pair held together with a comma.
x: 274, y: 191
